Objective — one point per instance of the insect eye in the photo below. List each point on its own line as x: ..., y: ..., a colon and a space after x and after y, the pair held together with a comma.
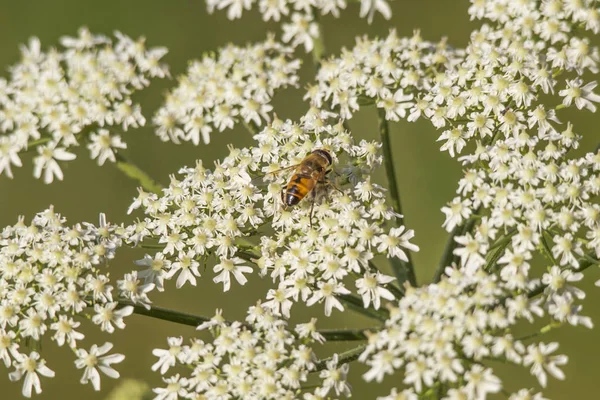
x: 325, y: 154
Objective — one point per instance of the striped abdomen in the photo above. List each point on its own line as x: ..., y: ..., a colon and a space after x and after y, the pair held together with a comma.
x: 297, y: 188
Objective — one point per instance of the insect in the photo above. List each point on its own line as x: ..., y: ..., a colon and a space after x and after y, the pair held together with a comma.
x: 309, y: 173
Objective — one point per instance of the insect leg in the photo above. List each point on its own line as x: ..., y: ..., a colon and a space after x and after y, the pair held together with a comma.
x: 329, y: 183
x: 312, y: 207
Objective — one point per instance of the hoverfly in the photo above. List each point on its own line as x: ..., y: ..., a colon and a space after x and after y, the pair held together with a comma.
x: 309, y: 173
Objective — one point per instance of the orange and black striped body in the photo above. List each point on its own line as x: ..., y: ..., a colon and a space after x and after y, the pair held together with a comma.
x: 308, y: 174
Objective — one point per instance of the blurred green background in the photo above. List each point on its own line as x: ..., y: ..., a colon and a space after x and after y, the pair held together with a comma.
x: 427, y: 178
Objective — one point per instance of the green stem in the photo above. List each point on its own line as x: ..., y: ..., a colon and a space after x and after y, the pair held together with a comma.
x: 504, y: 239
x: 355, y: 303
x: 403, y: 270
x: 384, y: 132
x: 165, y: 314
x: 247, y: 256
x: 34, y: 143
x: 396, y: 291
x: 545, y: 329
x: 495, y: 255
x: 244, y: 244
x: 346, y: 335
x: 546, y: 247
x: 134, y: 172
x: 157, y: 246
x: 343, y: 358
x: 251, y: 127
x: 500, y: 245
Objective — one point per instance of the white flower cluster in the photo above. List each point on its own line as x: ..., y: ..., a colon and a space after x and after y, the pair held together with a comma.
x: 520, y: 183
x: 441, y: 334
x: 49, y: 274
x: 55, y: 99
x: 215, y: 214
x: 236, y: 84
x: 388, y: 72
x: 261, y: 359
x: 299, y: 17
x: 521, y: 190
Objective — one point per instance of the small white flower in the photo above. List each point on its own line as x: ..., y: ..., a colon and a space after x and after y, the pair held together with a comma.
x: 9, y: 155
x: 582, y: 95
x: 538, y: 356
x: 395, y: 241
x: 46, y: 161
x: 187, y: 266
x: 419, y: 372
x: 106, y: 316
x: 328, y: 291
x: 370, y: 288
x: 30, y: 366
x: 334, y: 377
x: 103, y: 146
x: 168, y: 358
x: 368, y: 8
x: 228, y: 267
x: 302, y: 31
x: 383, y: 363
x: 65, y: 331
x: 97, y: 360
x: 480, y: 382
x: 565, y: 246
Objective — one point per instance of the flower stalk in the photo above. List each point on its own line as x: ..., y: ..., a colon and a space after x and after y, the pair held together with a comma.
x: 165, y: 314
x: 134, y: 172
x: 251, y: 127
x: 356, y: 304
x: 403, y: 270
x: 183, y: 318
x: 343, y: 358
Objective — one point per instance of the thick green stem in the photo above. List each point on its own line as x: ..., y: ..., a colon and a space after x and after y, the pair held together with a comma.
x: 134, y: 172
x: 343, y: 335
x: 166, y: 314
x: 388, y: 159
x: 157, y: 246
x: 403, y: 270
x: 343, y: 358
